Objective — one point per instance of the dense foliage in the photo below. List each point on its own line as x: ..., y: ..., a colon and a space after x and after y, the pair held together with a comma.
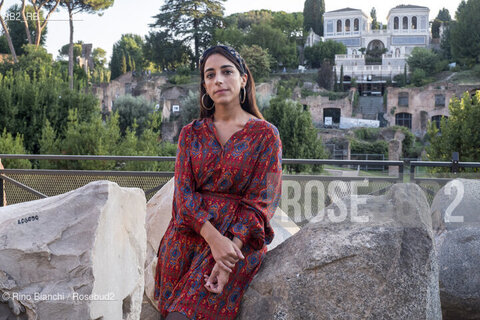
x: 313, y: 11
x: 464, y: 35
x: 460, y: 133
x: 191, y: 21
x: 127, y: 55
x: 298, y: 135
x: 321, y: 51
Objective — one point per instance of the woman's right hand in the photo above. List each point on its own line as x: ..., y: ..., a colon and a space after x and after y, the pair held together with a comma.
x: 225, y: 252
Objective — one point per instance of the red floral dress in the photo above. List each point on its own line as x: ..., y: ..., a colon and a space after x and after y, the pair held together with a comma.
x: 237, y: 188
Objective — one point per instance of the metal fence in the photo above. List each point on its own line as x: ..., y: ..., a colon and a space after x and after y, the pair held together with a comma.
x: 444, y: 171
x: 303, y: 195
x: 22, y: 185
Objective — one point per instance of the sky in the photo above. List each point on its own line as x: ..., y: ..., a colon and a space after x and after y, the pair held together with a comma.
x: 134, y: 16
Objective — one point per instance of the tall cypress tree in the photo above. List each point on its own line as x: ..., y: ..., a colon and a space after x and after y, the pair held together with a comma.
x: 464, y: 40
x: 313, y: 11
x: 341, y: 79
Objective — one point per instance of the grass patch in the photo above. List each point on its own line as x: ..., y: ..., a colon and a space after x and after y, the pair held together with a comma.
x: 466, y: 77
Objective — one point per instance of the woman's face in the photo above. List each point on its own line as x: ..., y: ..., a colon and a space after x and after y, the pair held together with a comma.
x: 222, y: 80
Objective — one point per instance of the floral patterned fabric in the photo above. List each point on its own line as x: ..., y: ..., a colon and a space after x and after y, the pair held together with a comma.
x: 237, y: 188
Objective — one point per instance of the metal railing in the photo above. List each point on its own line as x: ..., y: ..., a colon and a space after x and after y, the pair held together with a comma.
x: 20, y: 185
x: 431, y: 182
x: 29, y: 184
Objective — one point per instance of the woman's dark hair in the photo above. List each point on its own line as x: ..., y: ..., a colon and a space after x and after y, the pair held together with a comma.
x: 250, y: 104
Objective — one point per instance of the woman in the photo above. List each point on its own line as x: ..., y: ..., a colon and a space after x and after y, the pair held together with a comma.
x: 227, y: 187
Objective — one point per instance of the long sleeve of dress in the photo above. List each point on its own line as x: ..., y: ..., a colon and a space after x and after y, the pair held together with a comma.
x: 261, y: 198
x: 187, y: 204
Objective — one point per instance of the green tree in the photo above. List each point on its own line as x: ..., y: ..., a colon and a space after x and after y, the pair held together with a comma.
x: 6, y: 38
x: 11, y: 145
x: 418, y: 77
x: 291, y: 24
x: 246, y: 20
x: 422, y: 58
x: 77, y: 50
x: 341, y: 88
x: 283, y: 50
x: 325, y: 74
x: 298, y: 135
x: 165, y: 51
x: 445, y: 43
x: 464, y: 37
x: 133, y: 113
x: 99, y: 57
x: 443, y: 17
x: 192, y: 21
x: 40, y: 24
x: 18, y: 28
x: 84, y: 6
x: 322, y: 51
x: 373, y: 15
x: 101, y: 74
x: 460, y: 133
x: 258, y: 61
x: 231, y: 35
x: 36, y: 90
x: 313, y: 11
x: 129, y: 45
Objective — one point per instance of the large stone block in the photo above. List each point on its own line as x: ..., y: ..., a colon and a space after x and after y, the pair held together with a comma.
x: 361, y: 258
x: 159, y: 213
x: 456, y: 221
x: 79, y: 255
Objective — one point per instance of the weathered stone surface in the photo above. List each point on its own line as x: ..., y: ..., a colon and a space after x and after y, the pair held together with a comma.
x: 458, y: 246
x: 85, y: 249
x: 159, y: 213
x: 381, y: 269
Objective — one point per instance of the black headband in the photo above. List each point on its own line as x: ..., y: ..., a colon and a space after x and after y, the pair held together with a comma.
x: 235, y: 54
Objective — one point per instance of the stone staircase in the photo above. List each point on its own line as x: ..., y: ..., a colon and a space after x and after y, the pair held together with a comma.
x: 370, y: 106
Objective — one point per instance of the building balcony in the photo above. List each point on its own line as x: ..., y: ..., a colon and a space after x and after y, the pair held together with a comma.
x: 408, y: 31
x: 340, y: 57
x: 376, y: 33
x: 366, y: 72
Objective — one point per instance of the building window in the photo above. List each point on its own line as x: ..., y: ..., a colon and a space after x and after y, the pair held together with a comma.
x: 395, y: 23
x: 403, y: 119
x: 439, y: 100
x: 414, y: 23
x: 347, y: 25
x: 329, y: 26
x: 339, y: 25
x: 354, y: 52
x: 403, y: 99
x: 437, y: 119
x: 405, y: 23
x: 423, y: 22
x: 397, y: 52
x: 355, y: 25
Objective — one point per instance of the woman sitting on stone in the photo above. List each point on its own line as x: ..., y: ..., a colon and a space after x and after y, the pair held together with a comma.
x: 227, y: 188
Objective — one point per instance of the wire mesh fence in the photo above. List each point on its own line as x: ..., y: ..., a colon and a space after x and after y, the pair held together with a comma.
x: 303, y: 195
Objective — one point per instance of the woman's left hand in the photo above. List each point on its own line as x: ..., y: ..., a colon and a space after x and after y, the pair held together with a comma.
x: 217, y: 279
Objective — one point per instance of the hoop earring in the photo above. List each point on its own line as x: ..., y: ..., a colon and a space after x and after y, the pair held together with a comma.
x: 244, y: 95
x: 203, y: 105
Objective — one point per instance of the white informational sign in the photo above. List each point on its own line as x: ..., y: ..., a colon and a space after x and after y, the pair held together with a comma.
x: 175, y: 108
x: 328, y: 121
x: 347, y: 123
